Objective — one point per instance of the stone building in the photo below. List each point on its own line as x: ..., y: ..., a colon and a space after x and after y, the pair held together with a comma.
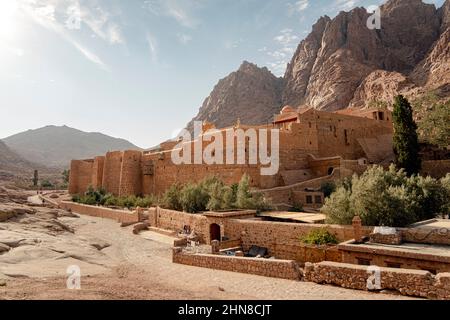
x: 313, y: 145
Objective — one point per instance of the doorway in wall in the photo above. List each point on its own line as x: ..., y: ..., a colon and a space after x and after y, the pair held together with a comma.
x: 214, y: 231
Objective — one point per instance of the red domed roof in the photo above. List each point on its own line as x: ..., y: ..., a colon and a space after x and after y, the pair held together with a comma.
x: 287, y: 109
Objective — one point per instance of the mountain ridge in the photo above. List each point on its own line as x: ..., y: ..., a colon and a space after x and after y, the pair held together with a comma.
x: 343, y: 64
x: 56, y: 146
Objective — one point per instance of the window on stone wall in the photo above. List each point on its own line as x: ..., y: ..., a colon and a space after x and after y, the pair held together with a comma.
x: 318, y: 199
x: 363, y: 261
x: 347, y: 142
x: 393, y: 265
x: 309, y: 199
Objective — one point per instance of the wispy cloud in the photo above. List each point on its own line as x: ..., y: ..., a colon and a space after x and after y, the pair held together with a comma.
x: 45, y: 15
x: 297, y: 7
x: 153, y: 47
x: 180, y: 10
x: 345, y: 4
x: 101, y: 24
x: 184, y: 38
x: 285, y: 44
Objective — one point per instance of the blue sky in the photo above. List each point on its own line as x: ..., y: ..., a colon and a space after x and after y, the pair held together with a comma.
x: 138, y: 69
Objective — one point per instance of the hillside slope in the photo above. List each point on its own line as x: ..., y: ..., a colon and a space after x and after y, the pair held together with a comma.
x: 54, y: 146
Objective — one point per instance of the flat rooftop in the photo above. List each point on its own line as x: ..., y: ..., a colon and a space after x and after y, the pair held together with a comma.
x: 303, y: 217
x: 434, y: 223
x: 433, y: 252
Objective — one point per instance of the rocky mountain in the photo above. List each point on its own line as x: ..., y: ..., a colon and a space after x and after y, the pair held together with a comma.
x: 54, y: 146
x: 251, y: 94
x: 342, y: 63
x: 12, y: 165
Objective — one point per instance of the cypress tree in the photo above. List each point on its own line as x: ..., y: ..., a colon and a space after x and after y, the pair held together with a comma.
x: 406, y: 141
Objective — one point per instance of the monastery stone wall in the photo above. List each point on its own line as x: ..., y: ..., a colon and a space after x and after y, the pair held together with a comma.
x: 111, y: 172
x: 130, y: 174
x: 308, y: 149
x: 80, y: 176
x: 415, y: 283
x: 121, y: 216
x: 436, y: 168
x: 97, y: 172
x: 284, y: 269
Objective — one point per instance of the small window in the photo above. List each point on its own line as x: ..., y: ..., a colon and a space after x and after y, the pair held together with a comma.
x: 309, y: 199
x: 347, y: 142
x: 393, y: 265
x: 363, y: 262
x: 381, y: 116
x: 330, y: 171
x: 318, y: 199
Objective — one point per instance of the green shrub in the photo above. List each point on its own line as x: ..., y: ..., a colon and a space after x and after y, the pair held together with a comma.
x: 76, y: 198
x: 297, y: 207
x: 248, y: 200
x: 100, y: 197
x: 217, y: 199
x: 46, y: 184
x: 171, y: 199
x: 319, y: 237
x: 387, y: 198
x: 328, y: 188
x: 194, y: 198
x: 146, y: 202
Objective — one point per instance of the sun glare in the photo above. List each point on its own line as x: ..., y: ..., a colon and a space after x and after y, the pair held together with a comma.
x: 8, y: 9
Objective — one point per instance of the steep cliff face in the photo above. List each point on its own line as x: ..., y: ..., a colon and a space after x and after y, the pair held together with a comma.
x: 251, y: 94
x: 342, y: 63
x: 349, y: 52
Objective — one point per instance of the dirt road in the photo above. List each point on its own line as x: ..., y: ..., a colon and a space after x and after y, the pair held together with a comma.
x: 125, y: 266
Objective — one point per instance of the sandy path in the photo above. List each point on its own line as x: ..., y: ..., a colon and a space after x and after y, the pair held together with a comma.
x: 140, y: 267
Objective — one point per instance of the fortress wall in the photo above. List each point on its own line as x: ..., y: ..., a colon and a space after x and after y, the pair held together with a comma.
x: 111, y: 172
x: 283, y: 239
x: 416, y: 283
x: 263, y: 267
x: 321, y: 167
x: 130, y: 174
x: 80, y: 176
x: 97, y: 172
x: 320, y: 134
x: 436, y: 168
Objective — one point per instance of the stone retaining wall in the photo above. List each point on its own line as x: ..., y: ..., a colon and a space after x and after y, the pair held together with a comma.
x: 408, y: 282
x: 101, y: 212
x: 285, y: 269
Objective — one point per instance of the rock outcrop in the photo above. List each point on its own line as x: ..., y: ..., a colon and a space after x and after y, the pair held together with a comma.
x: 251, y: 93
x: 342, y: 63
x: 351, y: 56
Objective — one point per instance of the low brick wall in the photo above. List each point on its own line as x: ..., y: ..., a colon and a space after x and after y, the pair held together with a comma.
x: 426, y: 235
x: 230, y: 244
x: 101, y: 212
x: 408, y: 282
x: 284, y: 269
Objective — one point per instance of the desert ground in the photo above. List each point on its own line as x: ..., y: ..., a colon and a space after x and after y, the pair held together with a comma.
x: 38, y: 244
